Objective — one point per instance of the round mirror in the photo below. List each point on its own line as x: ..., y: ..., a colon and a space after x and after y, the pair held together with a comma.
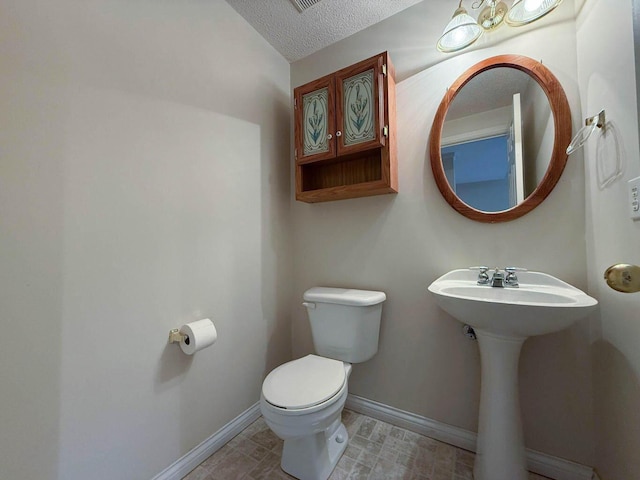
x: 498, y: 139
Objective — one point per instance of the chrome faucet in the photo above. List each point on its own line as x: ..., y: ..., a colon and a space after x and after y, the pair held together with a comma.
x: 498, y: 279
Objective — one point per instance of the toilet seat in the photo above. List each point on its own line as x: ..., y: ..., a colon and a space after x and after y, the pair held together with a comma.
x: 304, y: 383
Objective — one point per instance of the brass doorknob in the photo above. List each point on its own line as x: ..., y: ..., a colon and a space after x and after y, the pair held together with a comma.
x: 623, y: 277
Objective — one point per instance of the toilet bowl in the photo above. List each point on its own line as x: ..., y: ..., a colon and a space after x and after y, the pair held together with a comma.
x: 302, y: 400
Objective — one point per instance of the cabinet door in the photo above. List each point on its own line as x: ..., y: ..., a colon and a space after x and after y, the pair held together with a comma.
x: 360, y: 92
x: 315, y: 120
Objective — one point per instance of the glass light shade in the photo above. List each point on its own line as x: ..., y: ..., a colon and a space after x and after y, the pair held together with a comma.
x: 527, y: 11
x: 459, y: 33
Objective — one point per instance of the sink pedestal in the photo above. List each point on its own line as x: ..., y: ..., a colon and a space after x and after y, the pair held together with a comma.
x: 500, y: 451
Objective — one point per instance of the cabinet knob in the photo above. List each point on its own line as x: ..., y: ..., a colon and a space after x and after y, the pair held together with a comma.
x: 329, y: 137
x: 338, y: 133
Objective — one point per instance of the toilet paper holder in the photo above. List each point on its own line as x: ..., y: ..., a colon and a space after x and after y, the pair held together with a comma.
x: 194, y: 336
x: 176, y: 336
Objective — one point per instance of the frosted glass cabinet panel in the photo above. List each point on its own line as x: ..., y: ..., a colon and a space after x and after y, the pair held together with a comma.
x: 358, y: 105
x: 315, y: 106
x: 345, y: 133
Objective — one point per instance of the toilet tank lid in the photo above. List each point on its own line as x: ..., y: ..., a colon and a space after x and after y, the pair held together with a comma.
x: 344, y: 296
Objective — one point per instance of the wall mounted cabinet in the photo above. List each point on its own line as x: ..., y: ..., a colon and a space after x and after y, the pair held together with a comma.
x: 345, y: 133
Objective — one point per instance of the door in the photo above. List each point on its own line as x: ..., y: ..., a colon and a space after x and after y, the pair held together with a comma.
x: 314, y: 105
x: 515, y: 155
x: 360, y: 106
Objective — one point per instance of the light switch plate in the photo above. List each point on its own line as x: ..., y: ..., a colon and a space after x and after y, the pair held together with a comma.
x: 634, y: 198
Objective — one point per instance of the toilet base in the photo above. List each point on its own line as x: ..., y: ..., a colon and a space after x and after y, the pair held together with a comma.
x: 314, y: 457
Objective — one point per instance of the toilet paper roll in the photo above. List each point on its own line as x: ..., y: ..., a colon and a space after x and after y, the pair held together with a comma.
x: 199, y: 335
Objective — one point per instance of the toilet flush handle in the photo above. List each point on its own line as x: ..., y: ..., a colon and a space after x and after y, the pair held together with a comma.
x: 308, y: 304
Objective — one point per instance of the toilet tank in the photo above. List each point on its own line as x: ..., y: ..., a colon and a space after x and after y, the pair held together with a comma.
x: 345, y: 323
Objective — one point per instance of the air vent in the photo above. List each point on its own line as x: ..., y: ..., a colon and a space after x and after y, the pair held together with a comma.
x: 302, y: 5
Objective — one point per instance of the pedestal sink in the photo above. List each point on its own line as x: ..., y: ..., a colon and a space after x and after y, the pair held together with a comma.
x: 503, y: 318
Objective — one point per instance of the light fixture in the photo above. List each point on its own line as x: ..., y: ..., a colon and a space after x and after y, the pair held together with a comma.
x: 463, y: 30
x: 492, y: 15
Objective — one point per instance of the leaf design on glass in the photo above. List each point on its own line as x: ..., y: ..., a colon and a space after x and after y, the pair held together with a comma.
x: 316, y: 123
x: 359, y: 110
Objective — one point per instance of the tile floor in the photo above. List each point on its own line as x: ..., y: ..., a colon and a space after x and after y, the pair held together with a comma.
x: 376, y: 451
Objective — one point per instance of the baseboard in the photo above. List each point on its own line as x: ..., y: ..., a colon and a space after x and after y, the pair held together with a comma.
x: 415, y: 423
x: 537, y: 462
x: 215, y: 442
x: 558, y: 468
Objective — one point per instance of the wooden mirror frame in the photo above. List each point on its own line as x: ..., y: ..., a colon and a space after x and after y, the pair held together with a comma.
x: 562, y: 128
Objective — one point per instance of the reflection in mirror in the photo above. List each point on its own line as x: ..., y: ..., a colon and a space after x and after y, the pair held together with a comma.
x: 509, y: 107
x: 497, y: 139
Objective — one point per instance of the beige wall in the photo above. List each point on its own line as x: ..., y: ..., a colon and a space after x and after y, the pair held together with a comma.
x: 400, y: 243
x: 607, y: 81
x: 143, y: 184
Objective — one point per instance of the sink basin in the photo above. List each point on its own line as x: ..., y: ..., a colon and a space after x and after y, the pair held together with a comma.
x: 541, y: 304
x: 503, y: 318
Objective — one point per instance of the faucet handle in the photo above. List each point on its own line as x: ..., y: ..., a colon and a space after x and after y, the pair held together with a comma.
x: 511, y: 279
x: 483, y: 276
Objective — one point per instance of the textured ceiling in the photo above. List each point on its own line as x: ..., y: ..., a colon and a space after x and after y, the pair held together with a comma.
x: 296, y: 35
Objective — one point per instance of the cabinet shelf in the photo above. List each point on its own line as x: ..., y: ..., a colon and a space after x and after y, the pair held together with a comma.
x: 345, y: 133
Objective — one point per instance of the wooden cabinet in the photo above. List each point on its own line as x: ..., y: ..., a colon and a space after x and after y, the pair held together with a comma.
x: 345, y: 133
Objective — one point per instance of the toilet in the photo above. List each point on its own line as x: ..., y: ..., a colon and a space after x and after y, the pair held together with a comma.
x: 302, y: 400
